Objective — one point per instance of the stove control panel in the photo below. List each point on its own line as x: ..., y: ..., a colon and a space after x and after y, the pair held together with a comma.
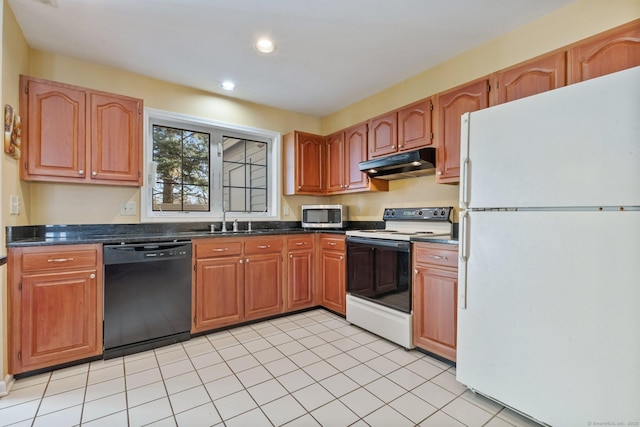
x: 417, y: 214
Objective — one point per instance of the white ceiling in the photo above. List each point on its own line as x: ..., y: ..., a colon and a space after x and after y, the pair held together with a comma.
x: 331, y: 53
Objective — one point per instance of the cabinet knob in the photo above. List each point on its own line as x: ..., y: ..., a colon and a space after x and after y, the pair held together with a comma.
x: 92, y: 276
x: 81, y: 172
x: 290, y: 256
x: 415, y: 271
x: 94, y: 173
x: 240, y: 261
x: 341, y: 257
x: 393, y: 146
x: 247, y: 259
x: 439, y: 172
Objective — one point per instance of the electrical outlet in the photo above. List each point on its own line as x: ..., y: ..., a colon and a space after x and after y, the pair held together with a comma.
x: 286, y: 211
x: 128, y: 208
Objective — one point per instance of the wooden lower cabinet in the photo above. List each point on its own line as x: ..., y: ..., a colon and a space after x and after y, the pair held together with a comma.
x: 300, y: 284
x: 236, y: 279
x: 263, y: 285
x: 333, y: 273
x: 435, y: 298
x: 55, y: 305
x: 218, y: 292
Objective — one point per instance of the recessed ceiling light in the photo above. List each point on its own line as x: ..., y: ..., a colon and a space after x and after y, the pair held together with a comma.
x: 228, y: 85
x: 265, y: 45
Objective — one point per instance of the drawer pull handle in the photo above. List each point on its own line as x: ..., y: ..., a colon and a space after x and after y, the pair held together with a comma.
x: 264, y: 246
x: 331, y: 243
x: 300, y: 243
x: 438, y: 257
x: 220, y: 249
x: 60, y: 260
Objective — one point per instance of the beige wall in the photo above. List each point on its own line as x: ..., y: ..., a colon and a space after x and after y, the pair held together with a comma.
x: 577, y: 21
x: 80, y: 204
x: 15, y: 52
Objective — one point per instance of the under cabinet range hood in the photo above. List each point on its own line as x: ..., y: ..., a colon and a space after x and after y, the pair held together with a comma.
x: 409, y: 164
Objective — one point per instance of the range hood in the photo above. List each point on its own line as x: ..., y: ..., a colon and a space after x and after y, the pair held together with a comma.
x: 409, y: 164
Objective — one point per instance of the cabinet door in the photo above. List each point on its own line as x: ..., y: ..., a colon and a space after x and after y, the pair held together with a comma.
x: 383, y: 137
x: 355, y: 152
x: 533, y: 77
x: 435, y: 293
x: 309, y: 163
x: 300, y: 279
x: 116, y: 138
x: 218, y: 296
x: 606, y: 53
x: 450, y: 106
x: 54, y: 133
x: 335, y: 163
x: 332, y: 283
x: 61, y: 318
x: 414, y: 126
x: 263, y: 285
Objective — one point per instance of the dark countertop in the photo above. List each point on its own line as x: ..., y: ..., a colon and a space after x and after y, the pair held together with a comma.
x: 41, y: 235
x: 449, y: 240
x: 3, y: 260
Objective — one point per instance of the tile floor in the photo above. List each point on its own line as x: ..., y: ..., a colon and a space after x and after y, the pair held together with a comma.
x: 307, y: 369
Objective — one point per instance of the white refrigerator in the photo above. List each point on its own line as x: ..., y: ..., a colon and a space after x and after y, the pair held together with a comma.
x: 549, y: 270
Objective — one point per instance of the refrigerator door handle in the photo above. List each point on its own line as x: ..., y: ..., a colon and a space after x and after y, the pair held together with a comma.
x: 464, y: 257
x: 464, y: 190
x: 464, y: 160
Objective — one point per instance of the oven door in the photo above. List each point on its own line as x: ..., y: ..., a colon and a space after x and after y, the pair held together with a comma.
x: 379, y: 270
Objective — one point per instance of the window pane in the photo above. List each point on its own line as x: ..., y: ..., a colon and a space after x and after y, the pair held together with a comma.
x: 244, y: 173
x: 183, y: 166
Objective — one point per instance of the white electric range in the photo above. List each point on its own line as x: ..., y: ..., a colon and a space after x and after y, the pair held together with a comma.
x: 379, y: 270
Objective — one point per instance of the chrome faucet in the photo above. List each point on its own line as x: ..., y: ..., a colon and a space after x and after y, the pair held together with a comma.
x: 235, y: 225
x: 224, y: 220
x: 249, y: 226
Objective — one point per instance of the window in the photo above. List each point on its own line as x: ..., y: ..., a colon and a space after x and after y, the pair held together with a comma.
x: 182, y: 169
x: 196, y: 168
x: 244, y: 165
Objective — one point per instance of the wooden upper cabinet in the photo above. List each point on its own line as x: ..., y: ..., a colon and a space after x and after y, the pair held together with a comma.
x: 383, y: 135
x: 405, y: 129
x: 115, y: 138
x: 335, y: 164
x: 53, y: 130
x: 605, y: 53
x: 303, y: 163
x: 355, y: 152
x: 74, y: 134
x: 414, y: 126
x: 450, y: 105
x: 530, y: 78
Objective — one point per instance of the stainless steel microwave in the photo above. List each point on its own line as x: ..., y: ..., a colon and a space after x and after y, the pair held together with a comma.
x: 324, y: 216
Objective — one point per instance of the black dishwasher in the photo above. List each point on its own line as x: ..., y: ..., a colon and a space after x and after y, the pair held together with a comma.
x: 147, y: 296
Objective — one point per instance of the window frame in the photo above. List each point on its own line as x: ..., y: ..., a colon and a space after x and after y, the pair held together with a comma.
x: 216, y: 129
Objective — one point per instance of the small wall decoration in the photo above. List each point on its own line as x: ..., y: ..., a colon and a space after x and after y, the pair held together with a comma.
x: 12, y: 132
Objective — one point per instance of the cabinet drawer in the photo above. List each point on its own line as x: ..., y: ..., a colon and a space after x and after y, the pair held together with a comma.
x: 65, y: 259
x: 442, y: 255
x: 262, y: 245
x: 300, y: 242
x: 336, y: 243
x: 218, y: 247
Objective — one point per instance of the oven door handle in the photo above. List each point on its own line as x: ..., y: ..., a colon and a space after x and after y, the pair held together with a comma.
x: 405, y: 246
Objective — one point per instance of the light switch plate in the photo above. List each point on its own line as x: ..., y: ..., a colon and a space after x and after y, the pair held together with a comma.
x: 14, y: 205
